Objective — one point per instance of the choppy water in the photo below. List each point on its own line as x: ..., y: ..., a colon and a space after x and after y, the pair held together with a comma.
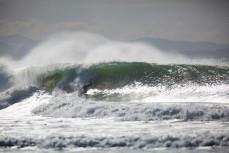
x: 130, y: 107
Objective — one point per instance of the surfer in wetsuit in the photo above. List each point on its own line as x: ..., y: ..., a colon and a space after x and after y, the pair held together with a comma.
x: 85, y: 88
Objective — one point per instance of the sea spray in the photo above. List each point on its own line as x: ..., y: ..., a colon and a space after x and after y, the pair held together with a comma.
x: 6, y: 78
x: 87, y: 48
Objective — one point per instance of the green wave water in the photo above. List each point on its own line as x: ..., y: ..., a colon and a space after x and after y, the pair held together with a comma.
x: 119, y: 74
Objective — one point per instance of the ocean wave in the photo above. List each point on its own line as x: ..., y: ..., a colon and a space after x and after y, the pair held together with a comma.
x: 122, y: 81
x: 7, y: 79
x: 73, y: 107
x: 119, y: 74
x: 16, y: 94
x: 135, y: 142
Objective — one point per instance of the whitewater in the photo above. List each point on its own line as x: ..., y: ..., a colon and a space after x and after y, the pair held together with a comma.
x: 81, y: 92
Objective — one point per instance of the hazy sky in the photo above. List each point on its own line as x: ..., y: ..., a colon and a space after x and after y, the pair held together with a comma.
x: 192, y: 20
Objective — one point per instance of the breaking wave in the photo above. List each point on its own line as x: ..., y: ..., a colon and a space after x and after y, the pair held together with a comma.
x: 123, y: 81
x: 135, y: 142
x: 7, y: 79
x: 122, y: 111
x: 119, y: 74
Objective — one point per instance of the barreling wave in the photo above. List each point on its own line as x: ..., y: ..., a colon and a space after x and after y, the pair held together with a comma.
x: 119, y: 74
x: 121, y: 81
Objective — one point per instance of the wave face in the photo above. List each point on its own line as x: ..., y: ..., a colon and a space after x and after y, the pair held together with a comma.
x: 117, y: 81
x: 113, y: 75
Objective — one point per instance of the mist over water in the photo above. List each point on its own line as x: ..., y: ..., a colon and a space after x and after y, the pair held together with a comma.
x: 88, y: 48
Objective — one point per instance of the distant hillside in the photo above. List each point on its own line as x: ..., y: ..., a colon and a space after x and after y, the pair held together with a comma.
x: 193, y: 49
x: 15, y: 46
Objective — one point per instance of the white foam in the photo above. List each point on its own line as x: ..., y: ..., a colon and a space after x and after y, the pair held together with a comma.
x: 177, y: 93
x: 25, y: 107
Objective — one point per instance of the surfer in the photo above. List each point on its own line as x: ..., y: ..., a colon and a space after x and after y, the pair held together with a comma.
x: 85, y: 88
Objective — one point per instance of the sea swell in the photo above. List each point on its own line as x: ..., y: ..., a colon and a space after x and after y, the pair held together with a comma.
x: 119, y: 74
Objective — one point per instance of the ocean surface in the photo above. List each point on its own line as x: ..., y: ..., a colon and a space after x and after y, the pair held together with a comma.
x: 115, y: 107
